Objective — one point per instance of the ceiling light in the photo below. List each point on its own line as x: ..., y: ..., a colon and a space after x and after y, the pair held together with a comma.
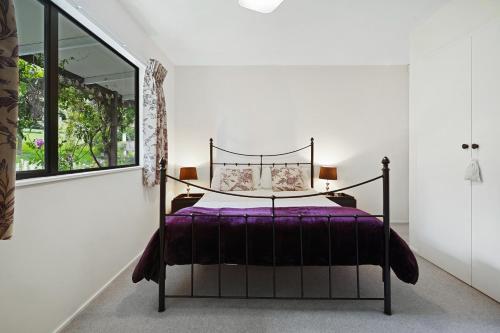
x: 261, y: 6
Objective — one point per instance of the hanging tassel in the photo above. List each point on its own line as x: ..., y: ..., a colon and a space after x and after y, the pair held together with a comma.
x: 473, y: 172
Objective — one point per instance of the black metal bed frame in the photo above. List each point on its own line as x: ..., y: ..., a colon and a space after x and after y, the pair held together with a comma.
x: 386, y: 272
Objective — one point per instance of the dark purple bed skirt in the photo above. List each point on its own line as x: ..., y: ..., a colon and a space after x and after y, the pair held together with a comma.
x: 315, y: 235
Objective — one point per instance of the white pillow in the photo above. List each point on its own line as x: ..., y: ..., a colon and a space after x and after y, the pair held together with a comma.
x: 287, y: 179
x: 237, y: 180
x: 218, y: 170
x: 266, y: 182
x: 306, y: 176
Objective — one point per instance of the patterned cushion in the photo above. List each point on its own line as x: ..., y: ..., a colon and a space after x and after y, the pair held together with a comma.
x: 287, y: 179
x: 236, y: 180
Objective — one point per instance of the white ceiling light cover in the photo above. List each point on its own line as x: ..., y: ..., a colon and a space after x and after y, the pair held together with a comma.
x: 261, y: 6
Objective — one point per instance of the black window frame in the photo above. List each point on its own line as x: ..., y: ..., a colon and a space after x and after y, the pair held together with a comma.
x: 51, y: 108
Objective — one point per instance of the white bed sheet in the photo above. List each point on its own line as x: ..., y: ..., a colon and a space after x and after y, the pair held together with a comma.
x: 216, y: 200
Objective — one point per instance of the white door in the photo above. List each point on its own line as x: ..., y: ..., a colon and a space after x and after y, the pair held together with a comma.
x: 441, y: 116
x: 486, y: 133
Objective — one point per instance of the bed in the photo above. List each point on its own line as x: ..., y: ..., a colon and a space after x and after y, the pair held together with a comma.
x: 269, y: 228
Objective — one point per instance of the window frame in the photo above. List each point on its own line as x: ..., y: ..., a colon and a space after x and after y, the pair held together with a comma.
x: 51, y: 79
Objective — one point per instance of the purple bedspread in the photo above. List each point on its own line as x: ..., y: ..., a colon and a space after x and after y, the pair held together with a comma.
x: 287, y: 229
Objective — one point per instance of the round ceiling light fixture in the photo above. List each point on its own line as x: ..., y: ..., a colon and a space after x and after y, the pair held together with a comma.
x: 261, y: 6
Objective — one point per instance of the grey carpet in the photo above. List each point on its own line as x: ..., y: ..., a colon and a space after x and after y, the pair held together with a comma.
x: 438, y: 303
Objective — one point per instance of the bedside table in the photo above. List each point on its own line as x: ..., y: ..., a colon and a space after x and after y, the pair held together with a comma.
x: 182, y: 201
x: 345, y: 200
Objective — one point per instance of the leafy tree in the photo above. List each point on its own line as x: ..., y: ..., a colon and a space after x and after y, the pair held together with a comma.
x: 91, y: 118
x: 31, y: 109
x: 31, y: 95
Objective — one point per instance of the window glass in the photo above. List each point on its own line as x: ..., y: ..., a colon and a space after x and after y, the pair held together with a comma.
x: 96, y: 115
x: 31, y: 126
x: 93, y: 124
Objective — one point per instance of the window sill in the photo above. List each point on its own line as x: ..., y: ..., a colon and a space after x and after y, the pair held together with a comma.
x: 52, y: 179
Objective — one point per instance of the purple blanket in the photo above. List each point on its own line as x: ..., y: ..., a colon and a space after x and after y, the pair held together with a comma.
x: 287, y: 229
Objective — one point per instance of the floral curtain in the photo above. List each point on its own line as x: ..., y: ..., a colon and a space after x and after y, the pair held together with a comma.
x: 155, y: 122
x: 9, y: 85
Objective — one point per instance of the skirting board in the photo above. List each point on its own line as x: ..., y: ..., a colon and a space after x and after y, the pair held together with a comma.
x: 97, y: 293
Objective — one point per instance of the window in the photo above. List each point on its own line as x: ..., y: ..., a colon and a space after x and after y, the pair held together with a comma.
x: 78, y: 102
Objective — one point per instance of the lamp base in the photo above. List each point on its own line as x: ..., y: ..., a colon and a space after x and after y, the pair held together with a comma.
x: 187, y: 192
x: 327, y: 186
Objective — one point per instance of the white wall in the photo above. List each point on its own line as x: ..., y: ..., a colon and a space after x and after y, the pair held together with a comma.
x: 452, y: 21
x: 71, y: 237
x: 357, y: 115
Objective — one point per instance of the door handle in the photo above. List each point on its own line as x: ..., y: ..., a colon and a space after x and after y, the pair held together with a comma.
x: 475, y: 146
x: 465, y: 146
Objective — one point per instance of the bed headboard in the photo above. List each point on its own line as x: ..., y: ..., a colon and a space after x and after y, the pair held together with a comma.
x: 262, y: 162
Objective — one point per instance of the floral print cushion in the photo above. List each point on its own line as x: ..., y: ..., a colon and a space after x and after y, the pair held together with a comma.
x: 287, y: 179
x: 236, y: 180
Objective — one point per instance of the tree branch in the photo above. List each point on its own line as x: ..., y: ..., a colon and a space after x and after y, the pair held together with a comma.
x: 91, y: 143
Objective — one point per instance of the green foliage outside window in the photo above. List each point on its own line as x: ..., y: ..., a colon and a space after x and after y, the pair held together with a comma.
x: 31, y: 141
x: 96, y: 128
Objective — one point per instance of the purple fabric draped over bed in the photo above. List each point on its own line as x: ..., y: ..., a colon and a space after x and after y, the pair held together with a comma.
x: 315, y: 233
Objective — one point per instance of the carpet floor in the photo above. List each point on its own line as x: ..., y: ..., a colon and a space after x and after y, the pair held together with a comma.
x: 437, y: 303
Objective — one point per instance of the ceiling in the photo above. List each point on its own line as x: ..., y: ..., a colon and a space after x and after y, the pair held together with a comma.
x: 299, y: 32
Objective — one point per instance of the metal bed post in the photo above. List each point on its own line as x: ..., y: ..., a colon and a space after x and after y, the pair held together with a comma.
x: 301, y: 258
x: 192, y: 254
x: 387, y: 235
x: 246, y: 255
x: 312, y: 162
x: 161, y: 275
x: 261, y: 165
x: 273, y: 198
x: 211, y: 160
x: 219, y: 273
x: 329, y: 256
x: 356, y: 228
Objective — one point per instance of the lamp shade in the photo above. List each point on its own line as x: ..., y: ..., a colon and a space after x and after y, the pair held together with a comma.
x: 329, y: 173
x: 188, y: 173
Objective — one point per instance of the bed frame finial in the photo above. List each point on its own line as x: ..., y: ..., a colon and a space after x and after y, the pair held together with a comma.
x: 385, y: 162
